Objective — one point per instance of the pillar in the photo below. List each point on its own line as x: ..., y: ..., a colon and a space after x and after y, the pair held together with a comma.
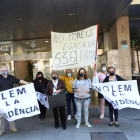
x: 123, y: 39
x: 118, y: 39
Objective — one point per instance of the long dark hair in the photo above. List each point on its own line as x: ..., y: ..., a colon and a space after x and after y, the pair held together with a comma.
x: 43, y: 79
x: 78, y: 76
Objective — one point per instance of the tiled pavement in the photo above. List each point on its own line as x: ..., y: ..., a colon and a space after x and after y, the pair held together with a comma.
x: 33, y: 129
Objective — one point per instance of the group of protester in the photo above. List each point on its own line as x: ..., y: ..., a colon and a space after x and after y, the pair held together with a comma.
x: 65, y: 84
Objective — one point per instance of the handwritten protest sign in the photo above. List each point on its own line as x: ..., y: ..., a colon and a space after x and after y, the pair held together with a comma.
x: 74, y: 50
x: 19, y: 102
x: 120, y: 94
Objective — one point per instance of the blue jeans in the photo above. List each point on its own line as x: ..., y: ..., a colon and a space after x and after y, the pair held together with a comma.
x: 70, y: 97
x: 85, y: 103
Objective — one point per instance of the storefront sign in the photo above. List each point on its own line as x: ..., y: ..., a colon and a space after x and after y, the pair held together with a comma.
x: 74, y: 50
x: 4, y: 48
x: 124, y: 46
x: 37, y: 49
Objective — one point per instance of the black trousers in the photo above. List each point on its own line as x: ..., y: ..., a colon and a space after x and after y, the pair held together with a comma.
x: 42, y: 110
x: 111, y: 111
x: 59, y: 111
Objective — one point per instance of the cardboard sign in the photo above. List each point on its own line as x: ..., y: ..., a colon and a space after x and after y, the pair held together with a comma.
x: 74, y: 50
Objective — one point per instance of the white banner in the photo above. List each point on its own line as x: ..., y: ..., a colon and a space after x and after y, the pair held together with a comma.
x: 120, y: 94
x: 19, y: 102
x: 74, y: 50
x: 42, y: 99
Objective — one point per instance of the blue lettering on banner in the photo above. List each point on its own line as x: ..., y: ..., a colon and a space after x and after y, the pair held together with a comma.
x: 17, y: 112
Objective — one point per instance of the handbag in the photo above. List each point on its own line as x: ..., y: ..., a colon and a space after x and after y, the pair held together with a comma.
x: 57, y: 100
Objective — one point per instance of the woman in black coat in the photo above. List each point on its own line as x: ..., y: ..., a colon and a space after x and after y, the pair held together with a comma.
x: 112, y: 78
x: 40, y: 84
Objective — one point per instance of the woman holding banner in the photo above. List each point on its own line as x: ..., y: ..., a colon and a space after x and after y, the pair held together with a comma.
x: 101, y: 75
x: 69, y: 79
x: 54, y: 87
x: 40, y: 84
x: 112, y: 78
x: 82, y: 88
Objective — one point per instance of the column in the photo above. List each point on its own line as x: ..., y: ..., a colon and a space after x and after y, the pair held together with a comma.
x: 123, y: 39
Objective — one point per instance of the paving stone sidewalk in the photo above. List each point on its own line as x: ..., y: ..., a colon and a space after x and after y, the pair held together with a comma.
x: 33, y: 129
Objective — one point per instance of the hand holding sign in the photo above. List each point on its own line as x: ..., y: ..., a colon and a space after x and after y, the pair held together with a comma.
x: 87, y: 91
x: 78, y: 90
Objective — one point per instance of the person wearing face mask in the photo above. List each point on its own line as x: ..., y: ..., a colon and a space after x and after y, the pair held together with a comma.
x: 7, y: 81
x: 69, y: 79
x: 101, y: 75
x: 82, y: 88
x: 112, y: 78
x: 40, y: 84
x: 54, y: 87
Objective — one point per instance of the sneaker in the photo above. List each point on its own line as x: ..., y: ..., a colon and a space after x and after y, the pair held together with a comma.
x: 75, y: 116
x: 14, y: 130
x: 69, y: 117
x: 102, y: 116
x: 78, y: 125
x: 1, y: 133
x: 88, y: 124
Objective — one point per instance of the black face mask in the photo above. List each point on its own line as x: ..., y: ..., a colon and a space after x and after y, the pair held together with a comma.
x: 54, y: 78
x: 39, y: 78
x: 112, y: 73
x: 82, y: 74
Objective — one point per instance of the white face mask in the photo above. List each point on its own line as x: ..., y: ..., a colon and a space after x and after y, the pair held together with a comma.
x: 69, y: 74
x: 104, y: 69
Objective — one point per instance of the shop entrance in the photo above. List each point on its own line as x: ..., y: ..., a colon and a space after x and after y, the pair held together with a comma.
x: 21, y: 70
x: 28, y: 69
